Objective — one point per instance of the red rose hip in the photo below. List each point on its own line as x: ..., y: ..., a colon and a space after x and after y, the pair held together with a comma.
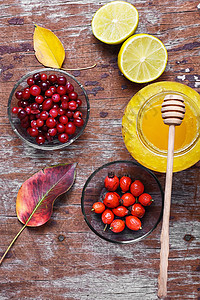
x: 133, y: 223
x: 98, y: 207
x: 127, y: 199
x: 138, y: 210
x: 125, y: 183
x: 107, y: 216
x: 111, y: 200
x: 111, y: 182
x: 137, y: 188
x: 117, y: 225
x: 120, y: 211
x: 145, y: 199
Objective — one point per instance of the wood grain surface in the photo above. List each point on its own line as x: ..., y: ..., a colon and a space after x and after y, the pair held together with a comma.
x: 64, y: 259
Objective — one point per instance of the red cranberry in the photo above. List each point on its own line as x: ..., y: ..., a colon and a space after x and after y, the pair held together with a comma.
x: 60, y: 127
x: 63, y: 137
x: 52, y: 78
x: 39, y: 99
x: 69, y: 113
x: 51, y: 122
x: 73, y: 96
x: 19, y: 103
x: 30, y: 81
x: 70, y: 128
x: 44, y: 128
x: 34, y: 124
x: 56, y: 98
x: 28, y: 110
x: 47, y: 104
x: 34, y: 106
x: 79, y: 102
x: 44, y: 115
x: 61, y: 90
x: 36, y: 77
x: 18, y: 95
x: 53, y: 89
x: 15, y: 110
x: 52, y: 131
x: 24, y: 103
x: 40, y: 139
x: 37, y: 115
x: 39, y: 83
x: 48, y: 93
x: 44, y: 86
x: 77, y: 114
x: 61, y: 111
x: 39, y: 122
x: 43, y: 77
x: 35, y: 112
x: 56, y: 106
x: 64, y: 104
x: 35, y: 90
x: 64, y: 98
x: 33, y: 132
x: 32, y: 117
x: 78, y: 122
x: 48, y: 137
x: 26, y: 94
x: 69, y: 87
x: 21, y: 114
x: 61, y: 80
x: 63, y: 119
x: 53, y: 112
x: 72, y: 105
x: 39, y: 106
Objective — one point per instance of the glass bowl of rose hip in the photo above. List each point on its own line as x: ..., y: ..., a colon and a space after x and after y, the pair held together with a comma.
x: 122, y: 202
x: 48, y: 109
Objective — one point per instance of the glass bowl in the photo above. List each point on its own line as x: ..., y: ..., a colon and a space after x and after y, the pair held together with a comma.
x: 94, y: 189
x: 22, y: 132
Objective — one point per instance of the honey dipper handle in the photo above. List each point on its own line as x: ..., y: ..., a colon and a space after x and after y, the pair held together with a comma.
x: 164, y: 252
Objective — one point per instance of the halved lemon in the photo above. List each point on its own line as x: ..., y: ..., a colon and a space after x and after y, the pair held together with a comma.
x: 142, y: 58
x: 114, y: 22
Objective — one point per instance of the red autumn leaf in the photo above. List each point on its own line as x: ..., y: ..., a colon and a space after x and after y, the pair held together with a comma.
x: 35, y: 199
x: 37, y: 194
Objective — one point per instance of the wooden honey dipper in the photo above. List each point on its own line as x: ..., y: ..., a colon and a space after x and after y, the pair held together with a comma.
x: 173, y: 111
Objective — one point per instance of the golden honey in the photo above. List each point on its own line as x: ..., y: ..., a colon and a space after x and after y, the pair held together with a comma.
x: 146, y: 136
x: 156, y: 132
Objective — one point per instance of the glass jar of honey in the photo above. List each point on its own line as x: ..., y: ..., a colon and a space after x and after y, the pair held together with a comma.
x: 146, y: 136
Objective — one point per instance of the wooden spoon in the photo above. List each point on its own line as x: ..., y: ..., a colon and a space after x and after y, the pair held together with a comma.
x: 173, y: 111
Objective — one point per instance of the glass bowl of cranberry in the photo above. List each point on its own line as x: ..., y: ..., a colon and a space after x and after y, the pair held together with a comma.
x: 122, y: 202
x: 48, y: 109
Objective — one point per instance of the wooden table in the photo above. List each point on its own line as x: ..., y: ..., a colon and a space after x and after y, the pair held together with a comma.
x: 64, y: 259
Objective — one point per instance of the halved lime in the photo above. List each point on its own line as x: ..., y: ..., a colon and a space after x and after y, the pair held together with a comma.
x: 142, y: 58
x: 114, y: 22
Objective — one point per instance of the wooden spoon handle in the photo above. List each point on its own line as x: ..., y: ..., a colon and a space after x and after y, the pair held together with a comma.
x: 164, y: 252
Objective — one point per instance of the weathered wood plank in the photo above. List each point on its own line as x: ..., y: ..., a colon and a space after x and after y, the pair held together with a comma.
x: 64, y: 259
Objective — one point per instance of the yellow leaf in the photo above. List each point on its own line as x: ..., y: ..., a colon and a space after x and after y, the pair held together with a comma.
x: 48, y: 48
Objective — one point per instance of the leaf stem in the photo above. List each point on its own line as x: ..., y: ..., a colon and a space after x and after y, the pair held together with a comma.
x: 1, y: 260
x: 79, y: 69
